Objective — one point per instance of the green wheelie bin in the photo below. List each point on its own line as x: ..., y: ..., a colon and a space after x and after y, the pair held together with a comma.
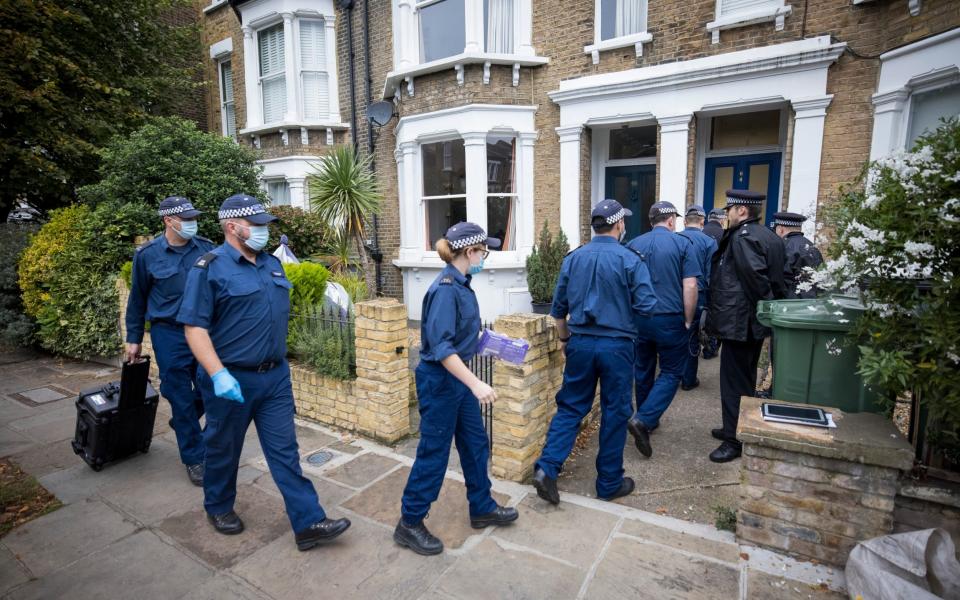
x: 813, y: 363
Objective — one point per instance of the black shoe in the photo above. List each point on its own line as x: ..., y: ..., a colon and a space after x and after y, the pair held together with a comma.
x: 641, y: 436
x: 228, y: 523
x: 320, y: 532
x: 717, y: 433
x: 417, y: 538
x: 726, y: 452
x: 501, y: 516
x: 763, y: 394
x: 626, y: 488
x: 687, y: 388
x: 709, y: 356
x: 195, y: 473
x: 546, y: 487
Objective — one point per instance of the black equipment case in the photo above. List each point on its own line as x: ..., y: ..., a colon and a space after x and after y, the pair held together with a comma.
x: 116, y: 420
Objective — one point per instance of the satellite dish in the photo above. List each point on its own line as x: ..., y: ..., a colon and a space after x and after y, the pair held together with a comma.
x: 380, y: 113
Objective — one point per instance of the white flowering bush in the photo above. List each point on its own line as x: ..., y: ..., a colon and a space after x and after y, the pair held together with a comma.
x: 897, y: 240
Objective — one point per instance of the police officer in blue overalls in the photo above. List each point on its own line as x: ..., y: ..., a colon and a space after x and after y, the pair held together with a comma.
x: 605, y: 289
x: 705, y: 246
x: 235, y: 311
x: 672, y: 262
x: 449, y: 394
x: 159, y: 272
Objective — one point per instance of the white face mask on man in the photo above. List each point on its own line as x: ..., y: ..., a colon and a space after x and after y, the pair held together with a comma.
x: 257, y: 236
x: 187, y: 229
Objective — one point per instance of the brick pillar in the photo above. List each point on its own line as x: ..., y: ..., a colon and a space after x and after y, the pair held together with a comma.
x: 815, y: 492
x: 382, y: 387
x: 525, y: 396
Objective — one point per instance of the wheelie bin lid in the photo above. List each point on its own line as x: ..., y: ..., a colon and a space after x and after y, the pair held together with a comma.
x: 831, y: 313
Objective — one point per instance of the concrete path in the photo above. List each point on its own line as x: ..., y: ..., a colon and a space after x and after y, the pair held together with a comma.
x: 137, y: 529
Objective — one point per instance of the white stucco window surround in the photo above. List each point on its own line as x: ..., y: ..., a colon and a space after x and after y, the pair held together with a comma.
x: 293, y: 170
x: 437, y: 35
x: 672, y: 93
x: 474, y: 133
x: 214, y: 5
x: 906, y: 75
x: 739, y: 13
x: 618, y: 24
x: 290, y: 67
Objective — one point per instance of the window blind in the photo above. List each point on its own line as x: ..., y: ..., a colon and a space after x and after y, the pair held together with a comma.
x: 733, y: 7
x: 313, y: 67
x: 272, y: 74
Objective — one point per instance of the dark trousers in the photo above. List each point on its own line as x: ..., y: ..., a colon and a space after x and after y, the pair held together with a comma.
x: 268, y: 402
x: 662, y: 341
x: 591, y: 359
x: 693, y: 352
x: 178, y: 371
x: 738, y: 377
x: 448, y: 412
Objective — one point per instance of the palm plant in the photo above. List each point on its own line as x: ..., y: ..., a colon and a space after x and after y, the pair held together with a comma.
x: 344, y: 193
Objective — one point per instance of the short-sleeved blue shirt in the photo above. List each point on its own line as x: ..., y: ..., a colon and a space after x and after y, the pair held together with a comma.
x: 156, y: 285
x: 450, y: 319
x: 705, y: 247
x: 670, y: 259
x: 244, y: 307
x: 604, y: 287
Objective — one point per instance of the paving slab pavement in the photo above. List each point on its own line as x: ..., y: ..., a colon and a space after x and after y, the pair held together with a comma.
x: 139, y: 525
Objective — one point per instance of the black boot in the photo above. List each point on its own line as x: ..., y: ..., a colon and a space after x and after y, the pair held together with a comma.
x: 641, y: 436
x: 717, y: 433
x: 227, y: 523
x: 626, y: 488
x: 501, y: 516
x: 726, y: 452
x: 418, y: 538
x: 195, y: 473
x: 687, y: 388
x: 320, y: 532
x: 546, y: 487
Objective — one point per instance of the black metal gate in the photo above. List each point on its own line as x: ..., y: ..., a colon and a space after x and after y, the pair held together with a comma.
x: 482, y: 367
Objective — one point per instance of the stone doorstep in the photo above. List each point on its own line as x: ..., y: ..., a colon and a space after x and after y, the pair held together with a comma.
x: 859, y: 437
x: 935, y: 491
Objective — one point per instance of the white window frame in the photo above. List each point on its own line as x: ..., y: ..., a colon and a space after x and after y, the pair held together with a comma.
x: 637, y: 40
x: 472, y: 123
x: 772, y: 10
x: 274, y: 75
x: 223, y: 99
x: 267, y: 181
x: 257, y: 16
x: 300, y: 70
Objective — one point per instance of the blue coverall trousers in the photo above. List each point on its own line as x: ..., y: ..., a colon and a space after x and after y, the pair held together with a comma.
x: 448, y: 411
x: 663, y: 339
x: 592, y: 358
x: 268, y: 402
x: 178, y: 371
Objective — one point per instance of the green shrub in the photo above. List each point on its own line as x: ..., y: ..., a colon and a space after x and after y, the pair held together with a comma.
x: 325, y: 343
x: 36, y: 264
x: 543, y: 265
x: 170, y: 156
x: 126, y: 273
x: 16, y: 328
x: 726, y: 518
x: 305, y: 231
x: 355, y: 285
x: 309, y: 284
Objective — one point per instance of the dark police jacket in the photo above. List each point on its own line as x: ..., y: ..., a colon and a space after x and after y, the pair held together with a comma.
x: 800, y: 253
x: 714, y: 230
x: 747, y: 268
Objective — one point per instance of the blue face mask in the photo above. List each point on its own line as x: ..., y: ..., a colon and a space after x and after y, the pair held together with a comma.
x: 474, y: 269
x: 187, y: 230
x: 259, y: 234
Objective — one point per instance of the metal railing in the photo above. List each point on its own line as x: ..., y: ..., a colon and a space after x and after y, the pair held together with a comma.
x: 482, y: 367
x: 314, y: 328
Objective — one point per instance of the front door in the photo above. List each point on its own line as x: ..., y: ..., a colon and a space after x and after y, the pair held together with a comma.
x: 634, y: 187
x: 754, y: 172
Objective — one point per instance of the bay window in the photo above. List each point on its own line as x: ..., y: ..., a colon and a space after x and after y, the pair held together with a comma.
x: 440, y: 35
x: 501, y: 190
x: 227, y: 112
x: 499, y: 25
x: 618, y: 24
x: 444, y: 187
x: 278, y: 191
x: 313, y: 70
x: 273, y: 80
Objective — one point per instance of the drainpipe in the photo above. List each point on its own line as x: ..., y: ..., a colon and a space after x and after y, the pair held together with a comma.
x: 375, y: 251
x: 347, y: 5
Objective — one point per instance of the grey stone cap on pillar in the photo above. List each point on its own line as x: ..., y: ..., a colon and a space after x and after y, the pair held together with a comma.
x: 864, y: 438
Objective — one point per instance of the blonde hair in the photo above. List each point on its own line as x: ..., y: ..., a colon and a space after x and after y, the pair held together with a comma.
x: 447, y: 253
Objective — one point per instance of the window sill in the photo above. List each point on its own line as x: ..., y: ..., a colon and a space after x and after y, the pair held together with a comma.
x: 214, y: 5
x: 392, y: 84
x: 774, y: 13
x: 507, y: 259
x: 272, y: 127
x: 637, y: 40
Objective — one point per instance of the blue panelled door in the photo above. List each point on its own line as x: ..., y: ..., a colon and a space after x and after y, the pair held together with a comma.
x: 756, y: 172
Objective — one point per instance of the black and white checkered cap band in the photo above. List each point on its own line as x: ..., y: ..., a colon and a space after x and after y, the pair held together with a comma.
x: 176, y: 210
x: 615, y: 217
x: 236, y: 213
x: 744, y: 201
x: 697, y: 212
x: 468, y: 241
x: 788, y: 222
x: 667, y: 210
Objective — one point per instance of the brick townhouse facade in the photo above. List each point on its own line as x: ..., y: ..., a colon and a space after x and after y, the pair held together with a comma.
x: 512, y: 113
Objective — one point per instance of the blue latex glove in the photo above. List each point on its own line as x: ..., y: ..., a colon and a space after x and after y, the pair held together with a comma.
x: 225, y: 386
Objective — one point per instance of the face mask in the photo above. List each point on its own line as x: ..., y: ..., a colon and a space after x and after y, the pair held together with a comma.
x: 259, y: 234
x: 187, y: 230
x: 476, y: 268
x: 623, y: 234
